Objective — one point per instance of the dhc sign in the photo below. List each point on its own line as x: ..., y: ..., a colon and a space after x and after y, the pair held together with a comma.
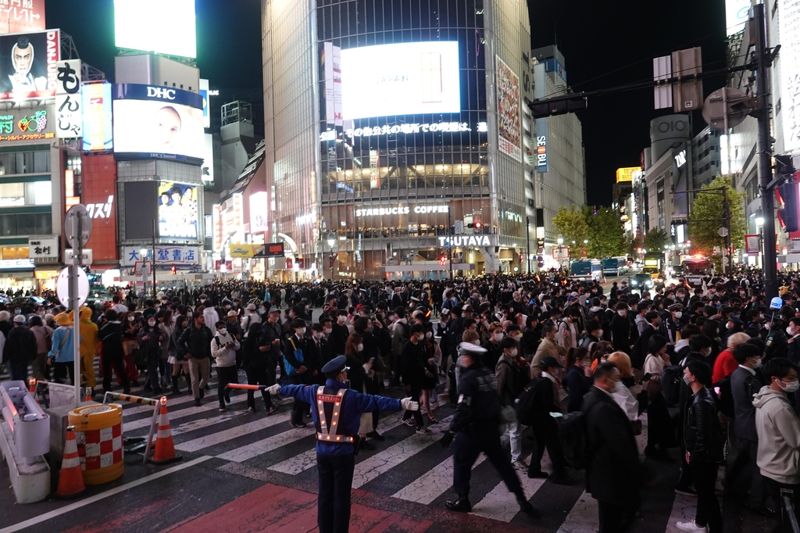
x: 162, y: 93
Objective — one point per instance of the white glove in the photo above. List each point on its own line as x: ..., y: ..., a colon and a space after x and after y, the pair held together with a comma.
x: 408, y: 405
x: 274, y: 389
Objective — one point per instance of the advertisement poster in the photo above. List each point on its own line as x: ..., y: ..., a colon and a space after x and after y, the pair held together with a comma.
x: 158, y: 122
x: 26, y: 125
x: 177, y: 210
x: 29, y: 65
x: 509, y: 126
x: 206, y: 110
x: 69, y: 121
x: 788, y: 22
x: 21, y: 16
x: 399, y: 79
x: 163, y: 27
x: 98, y: 194
x: 208, y: 159
x: 258, y: 212
x: 96, y: 111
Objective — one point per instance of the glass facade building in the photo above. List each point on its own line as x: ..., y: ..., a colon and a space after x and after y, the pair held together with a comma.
x: 396, y: 142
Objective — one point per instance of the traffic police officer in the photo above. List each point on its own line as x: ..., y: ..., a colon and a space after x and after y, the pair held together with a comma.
x: 336, y: 412
x: 475, y: 428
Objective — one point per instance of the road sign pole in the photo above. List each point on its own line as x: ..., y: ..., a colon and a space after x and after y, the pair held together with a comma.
x: 74, y: 300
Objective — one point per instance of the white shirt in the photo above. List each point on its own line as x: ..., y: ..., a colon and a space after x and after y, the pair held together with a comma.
x: 624, y: 398
x: 654, y: 365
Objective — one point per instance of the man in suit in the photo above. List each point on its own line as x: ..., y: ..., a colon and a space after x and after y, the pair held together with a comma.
x: 613, y: 470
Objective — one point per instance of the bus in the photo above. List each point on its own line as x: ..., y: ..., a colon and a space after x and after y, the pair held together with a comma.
x: 586, y: 269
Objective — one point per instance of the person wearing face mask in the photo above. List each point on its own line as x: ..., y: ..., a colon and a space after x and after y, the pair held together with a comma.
x: 130, y: 345
x: 577, y: 378
x: 150, y: 340
x: 613, y: 473
x: 702, y: 438
x: 725, y: 363
x: 674, y: 322
x: 223, y: 349
x: 621, y: 328
x: 793, y: 340
x: 296, y: 371
x: 493, y: 350
x: 511, y: 379
x: 741, y: 476
x: 778, y: 431
x: 413, y: 362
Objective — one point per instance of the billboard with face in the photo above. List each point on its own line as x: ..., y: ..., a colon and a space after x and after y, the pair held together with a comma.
x: 161, y: 122
x: 177, y: 210
x: 29, y: 64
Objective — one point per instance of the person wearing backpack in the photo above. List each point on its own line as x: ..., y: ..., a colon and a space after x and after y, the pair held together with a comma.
x: 613, y: 472
x: 223, y: 348
x: 703, y: 444
x: 293, y: 360
x: 545, y: 390
x: 509, y: 376
x: 741, y: 475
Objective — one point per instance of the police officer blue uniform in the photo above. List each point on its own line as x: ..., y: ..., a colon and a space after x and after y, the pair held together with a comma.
x: 336, y: 412
x: 475, y: 430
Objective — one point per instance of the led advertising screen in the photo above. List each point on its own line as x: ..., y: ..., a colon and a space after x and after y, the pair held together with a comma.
x: 509, y: 125
x: 29, y: 65
x: 97, y: 125
x: 161, y: 122
x: 164, y: 27
x: 400, y: 79
x: 177, y: 210
x: 788, y: 21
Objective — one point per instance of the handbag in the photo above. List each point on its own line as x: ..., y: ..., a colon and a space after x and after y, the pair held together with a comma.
x: 298, y: 356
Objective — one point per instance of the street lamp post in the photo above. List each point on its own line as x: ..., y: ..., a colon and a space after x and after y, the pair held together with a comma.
x: 144, y: 253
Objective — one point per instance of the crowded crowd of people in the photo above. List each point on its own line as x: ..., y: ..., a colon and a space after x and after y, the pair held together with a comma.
x: 576, y: 369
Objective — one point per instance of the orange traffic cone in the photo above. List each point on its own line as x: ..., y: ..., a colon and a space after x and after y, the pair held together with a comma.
x: 165, y: 446
x: 70, y: 480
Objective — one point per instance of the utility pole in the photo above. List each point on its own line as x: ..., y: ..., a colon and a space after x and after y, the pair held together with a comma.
x: 450, y: 245
x: 154, y: 258
x: 528, y: 241
x: 726, y: 220
x: 764, y: 61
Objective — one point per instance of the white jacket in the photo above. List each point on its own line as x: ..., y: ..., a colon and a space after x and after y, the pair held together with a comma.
x: 778, y: 429
x: 224, y: 355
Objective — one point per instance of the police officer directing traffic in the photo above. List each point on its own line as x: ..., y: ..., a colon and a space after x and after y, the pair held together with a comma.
x: 336, y: 412
x: 475, y: 428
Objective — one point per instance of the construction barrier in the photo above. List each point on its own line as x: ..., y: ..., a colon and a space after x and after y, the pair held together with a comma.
x: 141, y: 400
x: 99, y: 433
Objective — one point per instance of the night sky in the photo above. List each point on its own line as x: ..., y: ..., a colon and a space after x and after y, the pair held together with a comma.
x: 605, y: 44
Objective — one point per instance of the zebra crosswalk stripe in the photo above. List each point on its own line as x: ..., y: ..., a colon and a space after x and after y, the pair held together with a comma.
x: 432, y: 483
x: 229, y: 434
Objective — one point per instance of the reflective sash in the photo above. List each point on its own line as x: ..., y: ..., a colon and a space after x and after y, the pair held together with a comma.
x: 324, y: 434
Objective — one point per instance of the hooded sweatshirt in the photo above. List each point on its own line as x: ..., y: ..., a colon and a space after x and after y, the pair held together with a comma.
x: 778, y: 437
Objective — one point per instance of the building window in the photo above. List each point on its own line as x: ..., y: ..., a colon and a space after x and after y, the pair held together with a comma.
x: 25, y: 162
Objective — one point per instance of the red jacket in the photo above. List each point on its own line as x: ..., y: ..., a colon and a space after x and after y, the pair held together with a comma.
x: 724, y: 366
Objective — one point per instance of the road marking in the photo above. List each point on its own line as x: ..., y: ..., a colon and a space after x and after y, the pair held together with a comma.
x: 103, y: 495
x: 225, y: 435
x: 499, y: 504
x: 432, y: 483
x: 582, y: 516
x: 243, y: 453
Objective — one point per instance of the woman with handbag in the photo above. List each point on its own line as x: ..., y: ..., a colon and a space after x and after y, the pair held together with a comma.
x: 659, y: 430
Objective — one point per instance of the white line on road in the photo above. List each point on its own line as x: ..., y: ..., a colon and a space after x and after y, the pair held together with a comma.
x: 103, y: 495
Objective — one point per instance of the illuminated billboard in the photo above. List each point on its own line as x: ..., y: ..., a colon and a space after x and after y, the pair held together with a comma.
x: 400, y: 79
x: 164, y: 27
x: 788, y: 20
x: 21, y: 16
x: 626, y: 174
x: 30, y: 65
x: 509, y: 125
x: 97, y: 126
x: 736, y: 14
x: 160, y: 122
x: 26, y: 125
x: 204, y: 95
x: 177, y: 210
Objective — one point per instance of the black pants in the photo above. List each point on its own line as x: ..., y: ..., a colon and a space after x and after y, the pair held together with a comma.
x: 114, y: 361
x: 62, y: 371
x: 225, y: 375
x: 19, y: 369
x: 153, y: 363
x: 614, y: 518
x: 335, y: 485
x: 466, y: 449
x: 415, y: 393
x: 545, y: 432
x: 787, y: 500
x: 708, y: 512
x: 299, y: 408
x: 659, y: 425
x: 742, y: 476
x: 258, y: 376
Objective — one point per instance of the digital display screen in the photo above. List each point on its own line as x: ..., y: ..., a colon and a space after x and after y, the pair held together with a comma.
x: 177, y: 210
x: 273, y: 249
x: 164, y: 27
x: 400, y: 79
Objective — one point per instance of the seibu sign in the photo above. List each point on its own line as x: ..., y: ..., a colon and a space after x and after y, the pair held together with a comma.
x: 465, y: 240
x: 401, y: 210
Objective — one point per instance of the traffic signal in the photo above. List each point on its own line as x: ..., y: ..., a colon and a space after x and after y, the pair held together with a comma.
x: 784, y: 165
x: 174, y: 270
x: 442, y: 259
x: 788, y: 215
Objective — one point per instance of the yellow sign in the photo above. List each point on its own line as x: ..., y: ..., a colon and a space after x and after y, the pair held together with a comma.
x: 626, y: 174
x: 244, y: 251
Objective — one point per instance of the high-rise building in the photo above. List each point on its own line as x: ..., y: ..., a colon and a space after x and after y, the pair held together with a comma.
x: 395, y: 140
x: 560, y: 174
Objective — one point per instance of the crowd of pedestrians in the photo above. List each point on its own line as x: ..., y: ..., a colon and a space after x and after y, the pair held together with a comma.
x: 571, y: 369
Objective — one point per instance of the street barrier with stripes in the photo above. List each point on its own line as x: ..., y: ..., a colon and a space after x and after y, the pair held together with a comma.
x: 141, y: 400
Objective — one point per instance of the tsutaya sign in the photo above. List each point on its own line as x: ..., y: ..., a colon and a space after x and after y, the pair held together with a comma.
x: 401, y: 210
x: 465, y: 240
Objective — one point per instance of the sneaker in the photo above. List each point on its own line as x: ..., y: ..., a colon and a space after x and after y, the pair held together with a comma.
x: 460, y: 505
x: 519, y: 464
x: 423, y: 430
x: 221, y: 409
x: 374, y: 435
x: 409, y: 422
x: 690, y: 526
x: 251, y: 409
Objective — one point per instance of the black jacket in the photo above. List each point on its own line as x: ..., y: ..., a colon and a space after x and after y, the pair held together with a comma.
x: 20, y: 345
x: 744, y: 384
x: 702, y: 436
x: 577, y: 385
x: 613, y: 473
x: 111, y: 337
x: 478, y: 409
x: 197, y: 341
x: 621, y: 333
